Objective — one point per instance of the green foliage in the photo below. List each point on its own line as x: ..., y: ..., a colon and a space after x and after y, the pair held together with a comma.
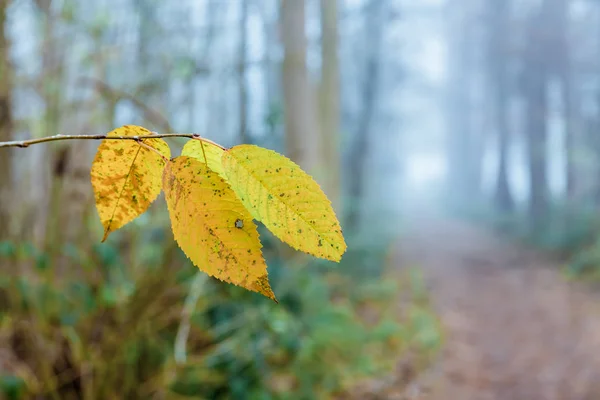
x: 120, y: 326
x: 584, y: 255
x: 567, y: 229
x: 12, y: 387
x: 571, y: 233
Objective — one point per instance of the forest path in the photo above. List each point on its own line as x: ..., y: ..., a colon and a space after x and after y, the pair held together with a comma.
x: 515, y: 329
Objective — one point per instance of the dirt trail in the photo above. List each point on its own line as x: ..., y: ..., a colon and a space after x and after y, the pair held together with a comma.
x: 515, y: 329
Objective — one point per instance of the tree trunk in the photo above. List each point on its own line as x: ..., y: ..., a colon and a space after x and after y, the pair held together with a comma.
x: 272, y: 71
x: 593, y: 127
x: 300, y: 124
x: 498, y: 75
x: 537, y: 108
x: 370, y: 90
x: 56, y: 156
x: 537, y: 139
x: 561, y: 59
x: 243, y: 90
x: 463, y: 145
x: 330, y: 101
x: 571, y: 134
x: 6, y: 125
x: 75, y: 202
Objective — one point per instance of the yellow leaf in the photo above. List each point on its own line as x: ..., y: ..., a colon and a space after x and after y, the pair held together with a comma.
x: 286, y: 199
x: 126, y: 176
x: 194, y: 148
x: 212, y: 227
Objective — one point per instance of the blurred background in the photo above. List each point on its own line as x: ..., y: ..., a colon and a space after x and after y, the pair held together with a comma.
x: 405, y: 111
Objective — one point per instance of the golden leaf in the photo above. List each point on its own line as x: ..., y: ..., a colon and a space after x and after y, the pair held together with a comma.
x: 212, y: 227
x: 126, y: 176
x: 286, y: 199
x: 199, y: 149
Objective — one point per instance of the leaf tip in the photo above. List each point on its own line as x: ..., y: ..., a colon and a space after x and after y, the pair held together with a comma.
x: 336, y: 258
x: 263, y: 287
x: 270, y: 295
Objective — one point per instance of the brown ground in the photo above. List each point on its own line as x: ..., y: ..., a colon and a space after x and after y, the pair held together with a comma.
x: 515, y: 329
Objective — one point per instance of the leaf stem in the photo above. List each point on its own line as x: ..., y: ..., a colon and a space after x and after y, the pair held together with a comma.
x: 203, y: 152
x: 200, y: 138
x: 27, y: 143
x: 144, y: 145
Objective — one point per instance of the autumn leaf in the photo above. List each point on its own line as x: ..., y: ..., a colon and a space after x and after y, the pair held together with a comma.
x: 126, y: 176
x: 262, y: 286
x: 286, y: 199
x: 205, y: 152
x: 212, y: 227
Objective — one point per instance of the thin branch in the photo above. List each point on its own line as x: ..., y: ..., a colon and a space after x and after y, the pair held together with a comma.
x: 27, y: 143
x: 151, y: 114
x: 186, y: 315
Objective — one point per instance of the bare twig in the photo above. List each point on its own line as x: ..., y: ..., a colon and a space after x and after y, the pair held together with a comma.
x: 186, y: 315
x: 151, y: 114
x: 27, y: 143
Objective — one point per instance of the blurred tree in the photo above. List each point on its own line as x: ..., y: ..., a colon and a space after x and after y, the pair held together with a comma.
x: 273, y: 77
x: 69, y: 176
x: 300, y: 123
x: 211, y: 20
x: 242, y: 61
x: 53, y: 67
x: 50, y: 83
x: 536, y: 98
x: 369, y: 92
x: 6, y: 122
x: 463, y: 150
x: 147, y: 33
x: 593, y: 123
x: 330, y: 100
x: 497, y: 62
x: 561, y: 60
x: 153, y: 76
